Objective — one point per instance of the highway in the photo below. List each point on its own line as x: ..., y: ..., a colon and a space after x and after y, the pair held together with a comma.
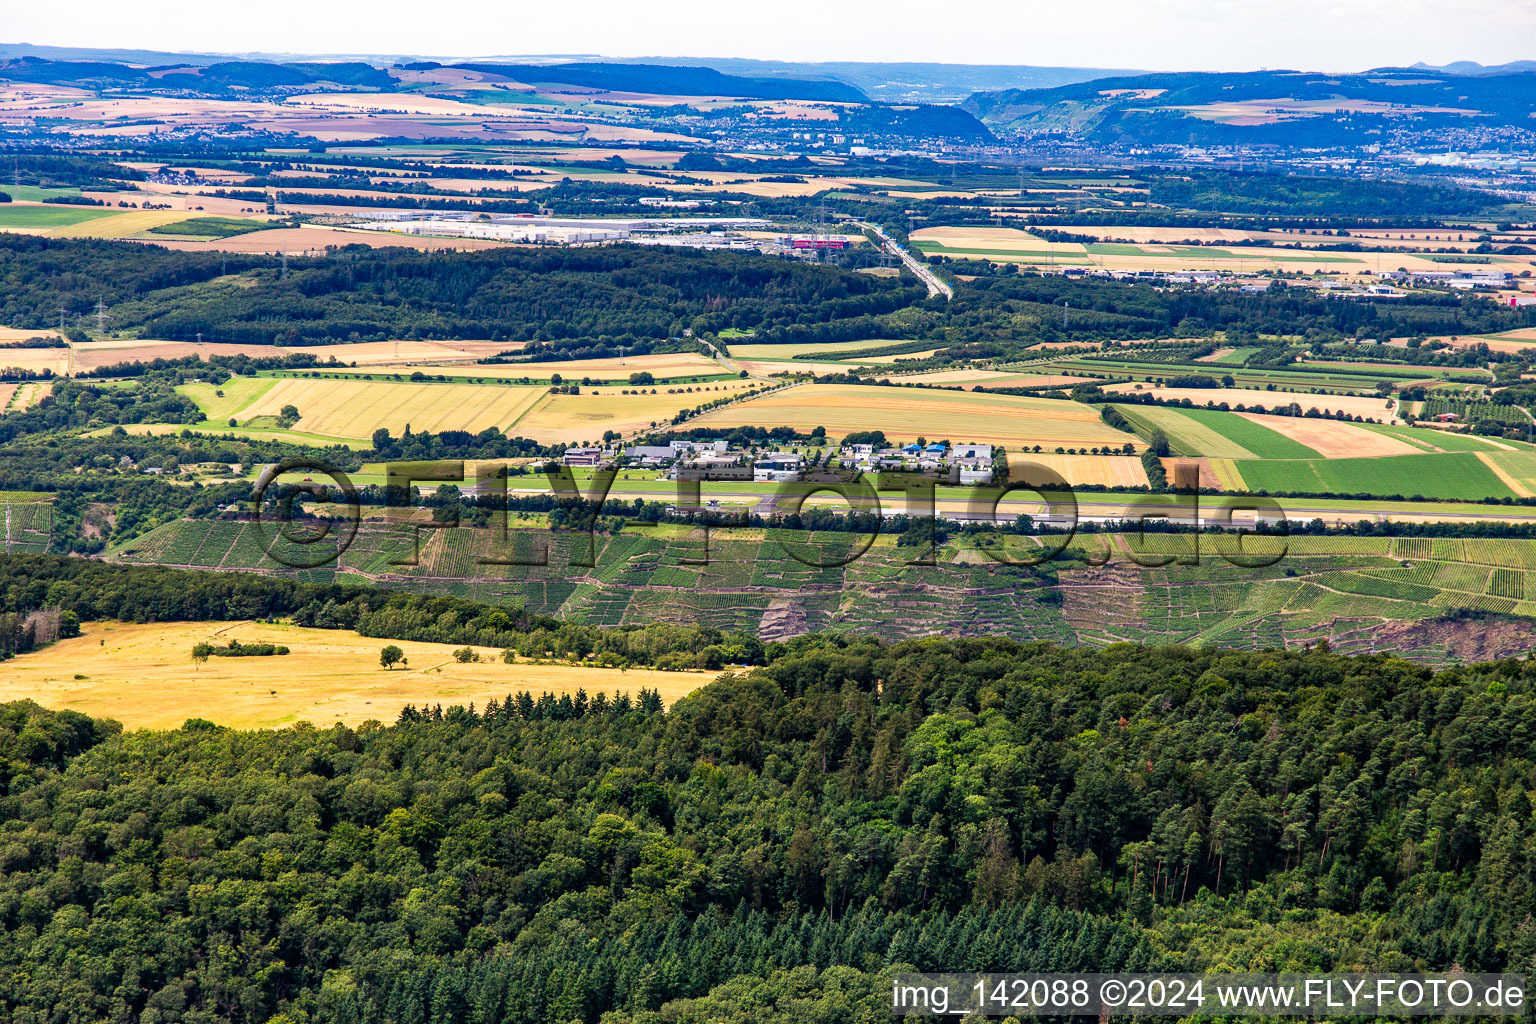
x: 912, y: 263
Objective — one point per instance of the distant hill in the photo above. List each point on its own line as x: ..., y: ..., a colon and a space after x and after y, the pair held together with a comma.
x: 671, y: 80
x: 1472, y: 67
x: 902, y: 82
x: 1276, y: 107
x: 888, y: 82
x: 209, y: 78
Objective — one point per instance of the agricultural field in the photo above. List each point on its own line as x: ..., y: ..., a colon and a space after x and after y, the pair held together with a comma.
x: 834, y: 350
x: 570, y: 419
x: 26, y: 522
x: 663, y: 367
x: 1331, y: 439
x: 1211, y: 432
x: 1349, y: 378
x: 907, y: 413
x: 1472, y: 412
x: 1429, y: 439
x: 1368, y: 406
x: 1080, y: 470
x: 36, y: 360
x: 143, y: 676
x: 971, y: 378
x: 210, y: 428
x: 354, y: 408
x: 46, y: 219
x: 208, y: 227
x: 1447, y: 477
x: 219, y: 402
x: 1507, y: 341
x: 121, y: 224
x: 1163, y: 249
x: 407, y: 353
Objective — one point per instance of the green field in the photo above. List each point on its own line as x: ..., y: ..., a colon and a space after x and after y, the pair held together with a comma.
x: 1460, y: 475
x: 35, y: 193
x: 208, y: 227
x: 1334, y: 378
x: 1519, y: 465
x: 1428, y: 439
x: 219, y: 402
x: 1237, y: 357
x: 1215, y: 434
x: 12, y: 216
x: 1263, y: 442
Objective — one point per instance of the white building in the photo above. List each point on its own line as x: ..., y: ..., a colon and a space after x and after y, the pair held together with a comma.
x: 777, y: 467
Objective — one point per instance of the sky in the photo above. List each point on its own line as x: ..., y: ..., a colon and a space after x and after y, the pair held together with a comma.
x: 1326, y: 35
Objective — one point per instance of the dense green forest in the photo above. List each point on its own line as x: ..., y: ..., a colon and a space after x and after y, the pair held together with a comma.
x: 584, y: 301
x: 589, y: 302
x: 1003, y: 313
x: 770, y: 847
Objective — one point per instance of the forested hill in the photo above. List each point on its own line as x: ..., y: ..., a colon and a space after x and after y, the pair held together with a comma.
x: 585, y: 299
x: 771, y: 846
x: 1257, y: 107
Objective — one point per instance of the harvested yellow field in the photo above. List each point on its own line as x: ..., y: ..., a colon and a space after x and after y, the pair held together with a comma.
x: 773, y: 367
x: 1397, y: 238
x: 1159, y: 249
x: 972, y: 237
x: 471, y: 185
x: 1228, y: 478
x: 993, y: 378
x: 374, y: 102
x: 677, y: 364
x: 402, y: 356
x: 1509, y: 474
x: 1382, y: 410
x: 144, y: 676
x: 830, y: 349
x: 121, y: 225
x: 313, y: 239
x: 766, y: 189
x: 8, y: 334
x: 1333, y: 439
x: 35, y: 360
x: 1509, y: 341
x: 907, y: 413
x: 1104, y: 470
x: 1173, y: 233
x: 356, y: 408
x: 585, y: 417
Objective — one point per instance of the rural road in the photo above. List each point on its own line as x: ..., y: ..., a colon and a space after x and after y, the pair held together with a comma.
x: 912, y: 263
x: 1098, y: 512
x: 727, y: 362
